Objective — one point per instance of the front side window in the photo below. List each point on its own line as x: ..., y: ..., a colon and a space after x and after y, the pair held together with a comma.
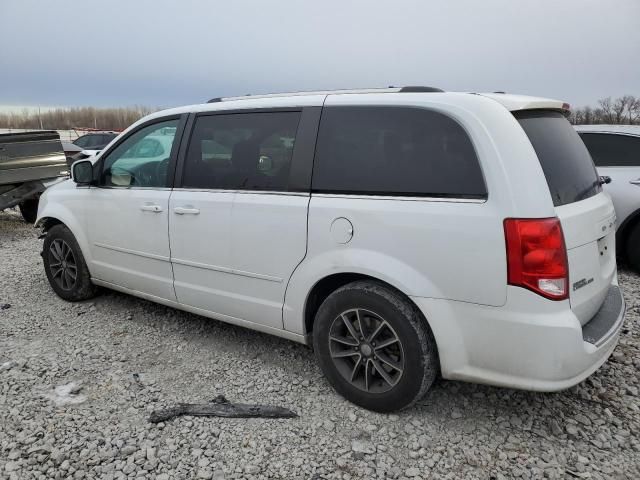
x: 395, y: 151
x: 613, y: 150
x: 142, y: 160
x: 243, y: 151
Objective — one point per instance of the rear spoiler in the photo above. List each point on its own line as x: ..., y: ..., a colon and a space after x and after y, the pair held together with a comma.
x: 523, y: 102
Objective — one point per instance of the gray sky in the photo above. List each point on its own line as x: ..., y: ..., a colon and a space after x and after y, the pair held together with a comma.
x: 166, y: 53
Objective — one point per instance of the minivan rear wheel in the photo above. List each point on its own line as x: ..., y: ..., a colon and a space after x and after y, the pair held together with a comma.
x: 633, y: 248
x: 65, y: 266
x: 374, y: 346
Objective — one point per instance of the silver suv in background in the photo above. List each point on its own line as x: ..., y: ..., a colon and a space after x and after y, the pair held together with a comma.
x: 615, y: 150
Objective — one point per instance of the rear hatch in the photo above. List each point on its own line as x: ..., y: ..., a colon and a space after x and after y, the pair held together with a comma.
x: 586, y: 214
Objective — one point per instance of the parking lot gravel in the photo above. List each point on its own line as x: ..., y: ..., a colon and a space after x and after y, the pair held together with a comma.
x: 78, y: 382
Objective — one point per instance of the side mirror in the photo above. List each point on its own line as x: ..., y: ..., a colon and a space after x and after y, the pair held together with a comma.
x: 82, y: 172
x: 604, y: 180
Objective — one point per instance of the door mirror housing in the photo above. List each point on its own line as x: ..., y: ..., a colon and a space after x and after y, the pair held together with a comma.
x: 82, y: 172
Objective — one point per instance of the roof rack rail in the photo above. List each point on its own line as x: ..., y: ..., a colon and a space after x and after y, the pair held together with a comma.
x: 417, y: 89
x: 330, y: 92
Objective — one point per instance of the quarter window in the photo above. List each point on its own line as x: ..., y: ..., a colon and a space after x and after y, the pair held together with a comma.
x: 613, y: 150
x: 243, y: 151
x: 142, y: 160
x: 395, y: 151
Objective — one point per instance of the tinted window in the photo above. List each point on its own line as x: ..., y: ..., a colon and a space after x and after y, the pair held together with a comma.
x: 83, y: 141
x: 94, y: 141
x: 612, y: 150
x: 105, y: 139
x: 565, y: 160
x: 395, y: 151
x: 90, y: 141
x: 142, y: 159
x: 246, y: 151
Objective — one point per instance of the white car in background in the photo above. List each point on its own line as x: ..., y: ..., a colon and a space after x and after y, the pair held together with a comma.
x: 615, y: 150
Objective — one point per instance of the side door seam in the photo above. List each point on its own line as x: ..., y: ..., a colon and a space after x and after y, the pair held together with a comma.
x: 306, y: 246
x: 178, y: 164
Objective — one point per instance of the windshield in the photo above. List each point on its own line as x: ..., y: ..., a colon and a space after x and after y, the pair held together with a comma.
x: 565, y: 160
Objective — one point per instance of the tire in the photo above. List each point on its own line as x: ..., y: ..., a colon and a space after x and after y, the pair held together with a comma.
x: 29, y: 210
x: 405, y: 349
x: 632, y: 245
x: 62, y: 258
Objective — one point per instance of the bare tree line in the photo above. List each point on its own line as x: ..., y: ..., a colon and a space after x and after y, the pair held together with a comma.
x: 622, y: 110
x: 80, y: 117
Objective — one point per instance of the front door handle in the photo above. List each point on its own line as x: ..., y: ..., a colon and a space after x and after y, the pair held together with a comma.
x: 635, y: 182
x: 151, y: 208
x: 186, y: 211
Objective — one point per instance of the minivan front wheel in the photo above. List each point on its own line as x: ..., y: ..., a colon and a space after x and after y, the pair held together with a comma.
x: 65, y: 267
x: 374, y: 346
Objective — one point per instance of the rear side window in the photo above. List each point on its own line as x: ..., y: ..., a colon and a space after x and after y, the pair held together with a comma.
x: 565, y: 160
x: 244, y: 151
x: 395, y: 151
x: 613, y: 150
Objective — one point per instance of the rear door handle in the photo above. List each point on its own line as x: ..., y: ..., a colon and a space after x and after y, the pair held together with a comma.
x: 635, y: 182
x: 151, y: 208
x: 186, y: 211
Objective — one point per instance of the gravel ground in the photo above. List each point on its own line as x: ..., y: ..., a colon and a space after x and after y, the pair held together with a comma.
x: 77, y: 383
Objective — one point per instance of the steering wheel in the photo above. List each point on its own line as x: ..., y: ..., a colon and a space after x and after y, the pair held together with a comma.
x: 161, y: 172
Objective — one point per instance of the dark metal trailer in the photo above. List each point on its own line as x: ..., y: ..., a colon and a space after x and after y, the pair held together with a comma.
x: 29, y: 163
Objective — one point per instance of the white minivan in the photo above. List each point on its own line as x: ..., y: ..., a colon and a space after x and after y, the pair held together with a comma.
x: 402, y: 232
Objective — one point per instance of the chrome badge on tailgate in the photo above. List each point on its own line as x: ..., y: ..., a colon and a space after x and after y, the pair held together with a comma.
x: 581, y: 283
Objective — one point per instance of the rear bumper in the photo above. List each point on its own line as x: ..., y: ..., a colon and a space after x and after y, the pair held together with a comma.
x: 510, y: 346
x: 607, y: 321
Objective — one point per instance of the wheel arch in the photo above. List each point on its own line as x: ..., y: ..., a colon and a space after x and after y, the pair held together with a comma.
x: 60, y: 215
x: 622, y: 234
x: 330, y: 283
x: 46, y: 223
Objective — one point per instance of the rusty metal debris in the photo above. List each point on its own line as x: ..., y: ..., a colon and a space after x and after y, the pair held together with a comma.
x: 221, y: 407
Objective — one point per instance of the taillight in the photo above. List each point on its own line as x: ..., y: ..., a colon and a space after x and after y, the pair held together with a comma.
x: 537, y: 257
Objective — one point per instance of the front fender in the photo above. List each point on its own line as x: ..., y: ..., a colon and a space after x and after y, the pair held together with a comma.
x: 361, y: 261
x: 64, y: 205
